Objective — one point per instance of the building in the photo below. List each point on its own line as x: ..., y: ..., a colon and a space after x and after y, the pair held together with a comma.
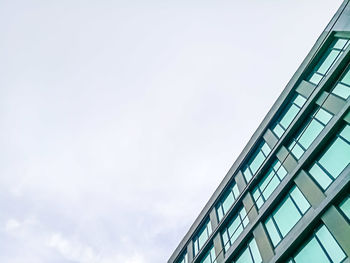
x: 287, y: 196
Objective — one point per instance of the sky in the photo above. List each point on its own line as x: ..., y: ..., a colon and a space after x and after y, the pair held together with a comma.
x: 120, y: 118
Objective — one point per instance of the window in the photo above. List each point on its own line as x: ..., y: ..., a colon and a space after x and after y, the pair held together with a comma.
x: 328, y: 60
x: 345, y: 207
x: 202, y: 237
x: 234, y: 229
x: 183, y: 258
x: 269, y: 183
x: 256, y: 161
x: 309, y: 133
x: 288, y: 115
x: 342, y: 88
x: 333, y: 161
x: 250, y: 255
x: 322, y: 248
x: 210, y: 257
x: 287, y: 215
x: 227, y: 201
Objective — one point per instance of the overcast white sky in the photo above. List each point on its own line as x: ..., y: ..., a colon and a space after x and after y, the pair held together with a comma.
x: 120, y: 118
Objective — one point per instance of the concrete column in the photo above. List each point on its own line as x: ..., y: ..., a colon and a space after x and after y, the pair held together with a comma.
x: 263, y: 243
x: 287, y: 159
x: 240, y: 181
x: 190, y: 251
x: 270, y: 138
x: 213, y: 219
x: 330, y: 102
x: 309, y: 188
x: 218, y: 248
x: 339, y: 228
x: 305, y: 88
x: 250, y: 207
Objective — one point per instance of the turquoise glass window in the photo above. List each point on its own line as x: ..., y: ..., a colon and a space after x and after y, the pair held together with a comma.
x: 333, y: 161
x: 256, y: 161
x: 183, y: 258
x: 328, y: 60
x: 288, y: 115
x: 287, y: 215
x: 345, y: 207
x: 269, y: 183
x: 227, y: 201
x: 235, y: 228
x: 202, y: 237
x: 250, y: 254
x: 321, y: 248
x: 312, y: 128
x: 210, y: 257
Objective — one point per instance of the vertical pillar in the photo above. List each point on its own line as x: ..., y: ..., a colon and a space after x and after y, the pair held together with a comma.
x: 263, y: 243
x: 339, y: 228
x: 250, y: 207
x: 309, y: 189
x: 218, y: 248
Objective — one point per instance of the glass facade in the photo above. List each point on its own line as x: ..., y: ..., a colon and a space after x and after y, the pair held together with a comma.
x: 286, y: 216
x: 269, y: 183
x: 250, y: 254
x: 234, y: 228
x: 321, y: 248
x: 227, y: 201
x: 210, y: 257
x: 345, y: 207
x: 202, y: 237
x: 328, y: 60
x: 288, y: 115
x: 312, y: 128
x: 279, y: 230
x: 256, y: 161
x: 342, y: 88
x: 333, y: 161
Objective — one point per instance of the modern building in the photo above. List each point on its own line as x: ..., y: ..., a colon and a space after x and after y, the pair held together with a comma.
x: 287, y: 196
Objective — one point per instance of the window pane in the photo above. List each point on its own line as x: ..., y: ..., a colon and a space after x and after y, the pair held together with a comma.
x: 266, y: 149
x: 336, y: 158
x: 346, y: 132
x: 202, y: 238
x: 220, y: 214
x: 269, y: 184
x: 235, y: 191
x: 323, y: 116
x: 328, y: 62
x: 255, y: 251
x: 312, y: 252
x: 286, y: 216
x: 341, y: 90
x: 297, y: 151
x: 346, y: 78
x: 235, y: 229
x: 256, y: 163
x: 331, y: 246
x: 278, y: 130
x: 226, y: 205
x: 300, y: 200
x: 289, y: 116
x: 299, y: 100
x: 245, y: 257
x: 345, y: 207
x: 281, y: 171
x: 340, y: 43
x: 316, y: 78
x: 273, y: 233
x: 247, y: 174
x: 320, y: 176
x: 258, y: 198
x: 310, y: 134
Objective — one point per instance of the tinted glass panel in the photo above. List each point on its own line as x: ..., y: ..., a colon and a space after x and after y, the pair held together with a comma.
x: 320, y: 176
x: 345, y: 207
x: 312, y: 252
x: 286, y: 216
x: 329, y: 243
